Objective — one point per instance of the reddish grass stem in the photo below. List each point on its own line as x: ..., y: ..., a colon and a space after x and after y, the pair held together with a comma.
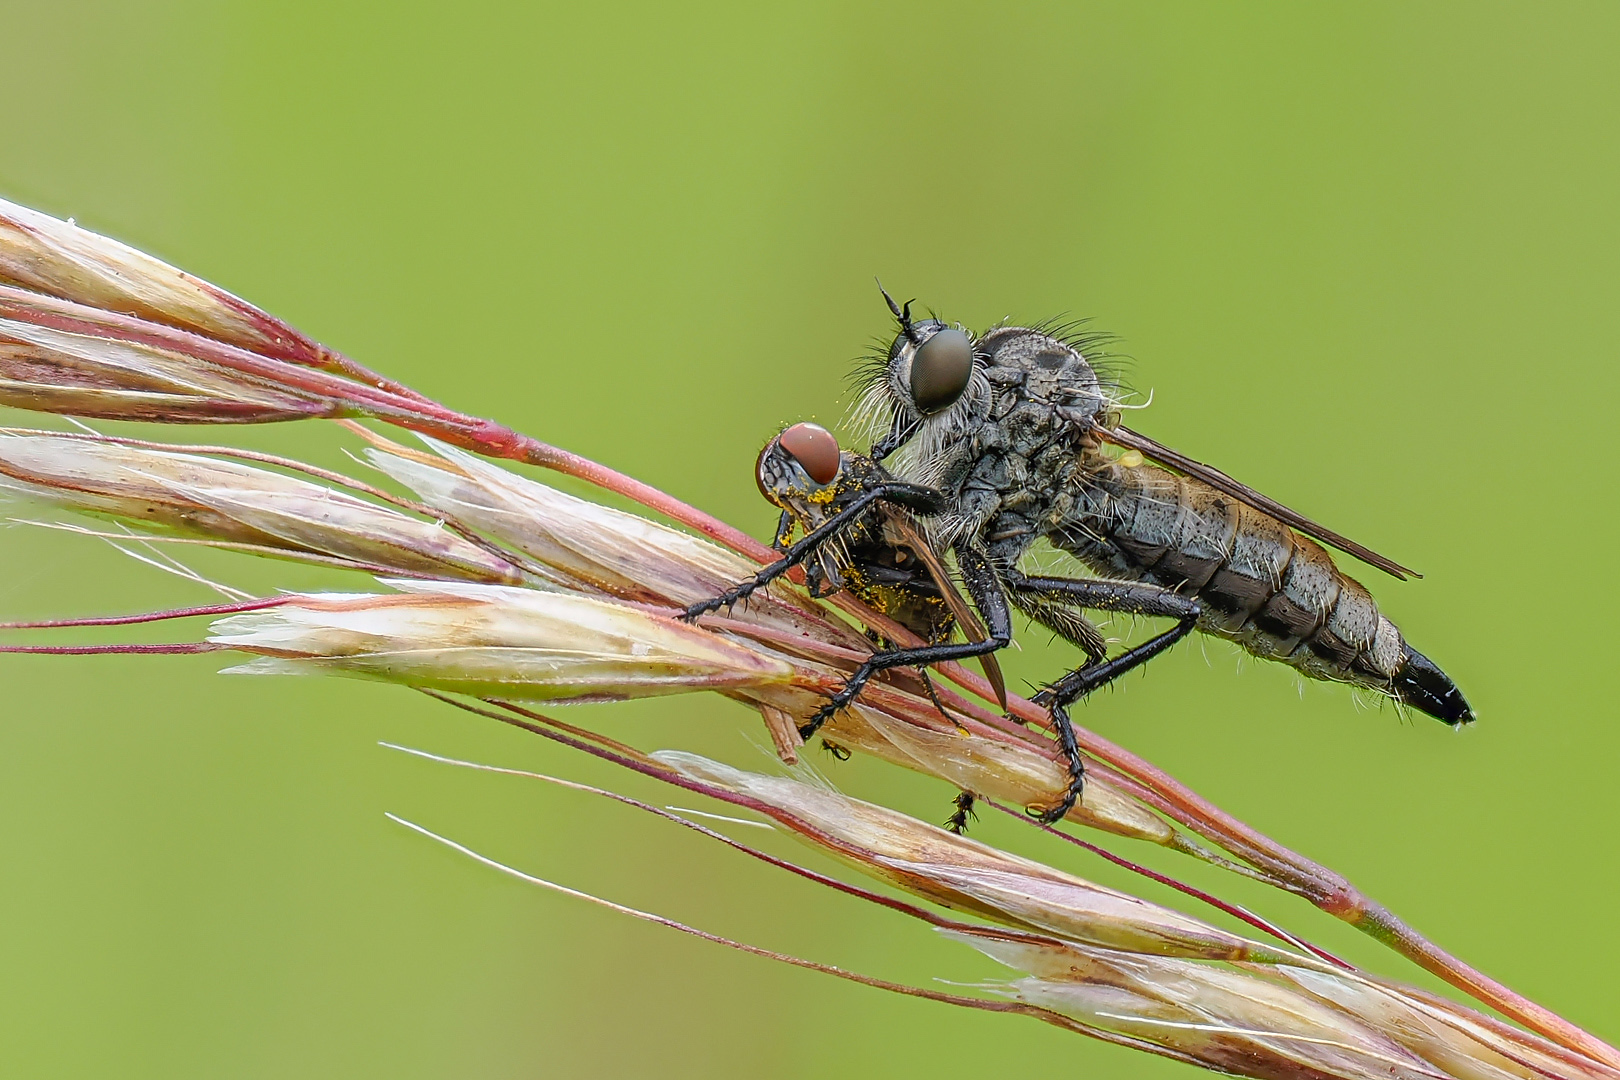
x: 336, y: 387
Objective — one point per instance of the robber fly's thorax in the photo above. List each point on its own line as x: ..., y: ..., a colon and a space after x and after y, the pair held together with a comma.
x: 1010, y: 455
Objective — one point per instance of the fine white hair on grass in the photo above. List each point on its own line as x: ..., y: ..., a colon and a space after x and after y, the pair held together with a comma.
x: 674, y: 814
x: 811, y: 773
x: 174, y: 566
x: 560, y: 782
x: 158, y: 560
x: 513, y: 871
x: 657, y: 920
x: 804, y: 769
x: 1037, y: 1012
x: 719, y: 817
x: 504, y: 770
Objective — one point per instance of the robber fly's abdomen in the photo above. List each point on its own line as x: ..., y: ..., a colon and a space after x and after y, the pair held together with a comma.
x: 1276, y: 593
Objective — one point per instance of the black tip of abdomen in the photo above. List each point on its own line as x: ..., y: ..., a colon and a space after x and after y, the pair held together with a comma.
x: 1426, y: 688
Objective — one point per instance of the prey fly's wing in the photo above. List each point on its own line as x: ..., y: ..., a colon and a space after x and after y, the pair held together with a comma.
x: 960, y: 608
x: 1148, y: 448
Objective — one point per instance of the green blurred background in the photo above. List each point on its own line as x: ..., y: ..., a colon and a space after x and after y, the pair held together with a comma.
x: 1365, y: 259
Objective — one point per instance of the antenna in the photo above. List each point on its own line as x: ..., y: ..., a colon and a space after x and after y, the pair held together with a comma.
x: 903, y: 314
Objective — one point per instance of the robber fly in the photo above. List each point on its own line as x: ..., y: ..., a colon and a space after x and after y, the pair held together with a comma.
x: 877, y: 552
x: 1019, y: 439
x: 1023, y: 437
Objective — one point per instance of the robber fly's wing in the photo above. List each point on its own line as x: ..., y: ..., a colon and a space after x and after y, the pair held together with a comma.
x: 972, y: 629
x: 1123, y: 436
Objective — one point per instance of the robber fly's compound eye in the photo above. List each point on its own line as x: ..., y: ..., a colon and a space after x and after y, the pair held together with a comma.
x: 815, y: 449
x: 940, y: 371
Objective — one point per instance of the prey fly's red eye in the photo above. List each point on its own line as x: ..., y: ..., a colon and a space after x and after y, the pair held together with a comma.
x: 814, y: 448
x: 759, y: 472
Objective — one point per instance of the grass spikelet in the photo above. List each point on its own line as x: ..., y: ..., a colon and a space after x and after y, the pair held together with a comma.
x: 494, y: 641
x: 234, y: 505
x: 495, y: 590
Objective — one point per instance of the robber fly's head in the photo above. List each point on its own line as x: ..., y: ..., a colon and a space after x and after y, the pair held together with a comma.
x: 933, y: 379
x: 935, y: 363
x: 797, y: 465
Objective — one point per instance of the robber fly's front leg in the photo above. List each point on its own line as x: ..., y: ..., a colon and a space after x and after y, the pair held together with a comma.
x: 921, y: 499
x: 987, y: 597
x: 1126, y: 597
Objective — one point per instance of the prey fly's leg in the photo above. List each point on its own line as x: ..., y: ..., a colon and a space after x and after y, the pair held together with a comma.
x: 922, y: 499
x: 1130, y: 598
x: 784, y: 530
x: 933, y: 695
x: 987, y: 597
x: 958, y: 822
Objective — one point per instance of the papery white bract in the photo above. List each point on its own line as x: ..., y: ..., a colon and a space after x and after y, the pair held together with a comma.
x: 235, y: 504
x: 495, y: 641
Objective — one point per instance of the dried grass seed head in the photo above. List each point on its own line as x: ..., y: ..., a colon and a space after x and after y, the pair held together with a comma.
x: 230, y: 503
x: 491, y: 641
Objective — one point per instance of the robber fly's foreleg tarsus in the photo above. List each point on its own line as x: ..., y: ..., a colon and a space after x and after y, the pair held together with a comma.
x: 900, y: 430
x: 1129, y: 598
x: 987, y: 596
x: 924, y: 500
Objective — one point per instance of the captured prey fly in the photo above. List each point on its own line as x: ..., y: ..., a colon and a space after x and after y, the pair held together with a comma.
x: 881, y: 555
x: 875, y: 550
x: 1015, y: 438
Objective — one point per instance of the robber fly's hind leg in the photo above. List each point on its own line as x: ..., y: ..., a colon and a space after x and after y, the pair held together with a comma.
x: 926, y: 500
x: 1070, y: 745
x: 1126, y: 597
x: 992, y: 604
